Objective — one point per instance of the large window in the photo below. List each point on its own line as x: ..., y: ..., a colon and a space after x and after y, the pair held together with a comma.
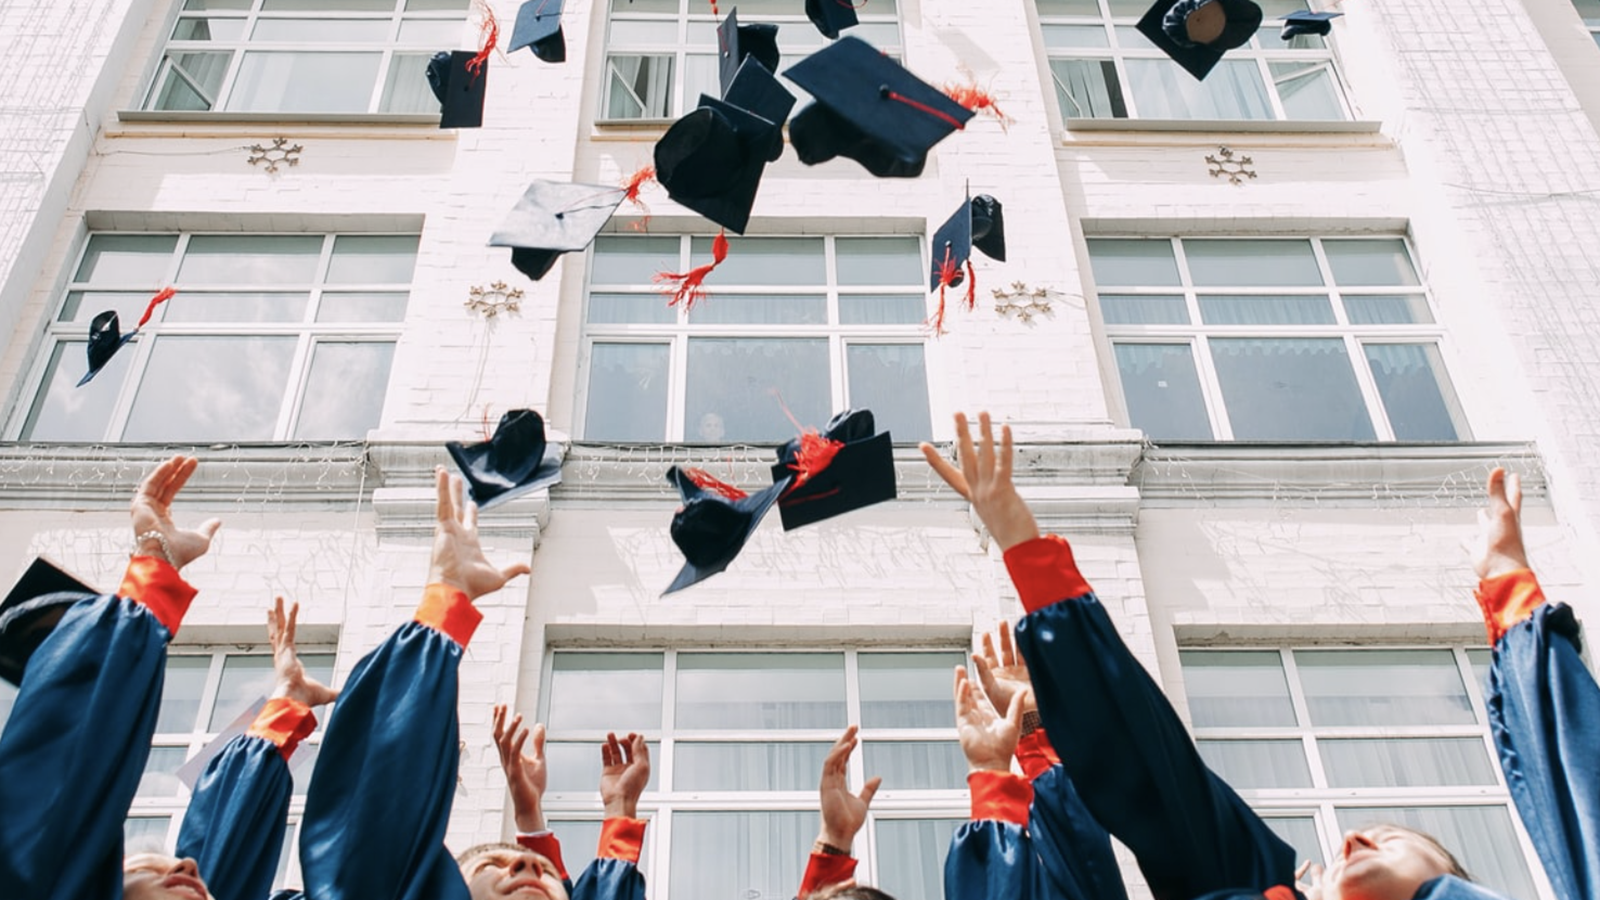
x: 304, y: 56
x: 1103, y: 68
x: 737, y: 741
x: 1293, y: 339
x: 1324, y: 741
x: 809, y: 324
x: 1589, y: 10
x: 661, y: 55
x: 270, y: 337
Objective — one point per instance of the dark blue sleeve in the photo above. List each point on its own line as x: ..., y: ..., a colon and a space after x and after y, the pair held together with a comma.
x: 609, y: 879
x: 237, y: 818
x: 379, y: 800
x: 74, y: 749
x: 1075, y: 857
x: 1133, y: 764
x: 1544, y: 712
x: 991, y: 860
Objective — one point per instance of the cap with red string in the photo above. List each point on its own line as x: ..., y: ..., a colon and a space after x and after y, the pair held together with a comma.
x: 552, y: 218
x: 106, y: 337
x: 714, y: 523
x: 538, y: 26
x: 736, y: 43
x: 976, y: 223
x: 831, y: 16
x: 460, y: 78
x: 844, y: 468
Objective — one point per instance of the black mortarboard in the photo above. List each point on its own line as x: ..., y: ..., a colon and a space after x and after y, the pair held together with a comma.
x: 516, y: 460
x: 106, y: 337
x: 737, y: 42
x: 539, y: 26
x: 1224, y: 25
x: 860, y: 473
x: 831, y: 16
x: 29, y: 613
x: 460, y: 92
x: 1303, y: 21
x: 755, y: 89
x: 711, y: 161
x: 976, y: 223
x: 711, y: 527
x: 869, y: 109
x: 552, y: 218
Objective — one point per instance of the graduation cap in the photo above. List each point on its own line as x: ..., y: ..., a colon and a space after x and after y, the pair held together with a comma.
x: 1195, y: 33
x: 869, y: 109
x: 755, y: 89
x: 977, y: 222
x: 538, y: 26
x: 714, y: 523
x: 31, y: 611
x: 460, y: 90
x: 830, y: 16
x: 552, y: 218
x: 516, y: 460
x: 711, y: 160
x: 1303, y: 21
x: 736, y: 43
x: 106, y: 337
x: 844, y: 468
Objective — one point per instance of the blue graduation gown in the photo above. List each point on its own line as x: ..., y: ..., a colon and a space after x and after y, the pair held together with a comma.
x: 991, y: 859
x: 1075, y: 857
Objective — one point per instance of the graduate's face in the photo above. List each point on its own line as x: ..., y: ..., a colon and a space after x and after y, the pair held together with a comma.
x: 1384, y: 863
x: 499, y: 874
x: 151, y: 876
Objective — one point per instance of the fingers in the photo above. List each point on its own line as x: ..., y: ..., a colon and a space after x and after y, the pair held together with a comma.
x: 294, y: 614
x: 208, y: 528
x: 611, y: 751
x: 1014, y: 711
x: 520, y: 737
x: 469, y: 512
x: 177, y: 478
x: 1002, y: 470
x: 986, y: 446
x: 839, y: 754
x: 965, y: 454
x: 538, y: 740
x: 515, y: 569
x: 444, y: 509
x: 155, y: 482
x: 275, y: 622
x: 640, y: 750
x: 870, y: 789
x: 1497, y: 484
x: 1008, y: 649
x: 1514, y: 493
x: 945, y: 471
x: 963, y: 693
x: 498, y: 723
x: 988, y: 651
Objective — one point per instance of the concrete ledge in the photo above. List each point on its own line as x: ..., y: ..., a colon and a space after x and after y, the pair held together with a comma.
x: 278, y: 118
x: 1225, y: 126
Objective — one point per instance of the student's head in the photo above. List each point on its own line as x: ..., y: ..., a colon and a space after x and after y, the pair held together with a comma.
x: 1387, y: 862
x: 152, y: 876
x: 502, y: 871
x: 850, y: 891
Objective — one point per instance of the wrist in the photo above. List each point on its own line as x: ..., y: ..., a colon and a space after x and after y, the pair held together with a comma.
x: 531, y: 822
x: 626, y: 809
x: 989, y: 765
x: 154, y: 543
x: 837, y: 840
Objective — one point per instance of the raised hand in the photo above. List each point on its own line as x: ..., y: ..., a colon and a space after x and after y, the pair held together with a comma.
x: 626, y: 772
x: 526, y: 776
x: 1004, y: 675
x: 987, y: 739
x: 293, y: 682
x: 1499, y: 549
x: 984, y: 479
x: 458, y: 558
x: 152, y: 515
x: 843, y: 813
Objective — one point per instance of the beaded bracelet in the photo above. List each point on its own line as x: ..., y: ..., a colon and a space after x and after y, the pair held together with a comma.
x: 158, y: 537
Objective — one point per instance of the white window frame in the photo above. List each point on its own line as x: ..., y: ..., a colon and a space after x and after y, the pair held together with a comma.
x: 1196, y: 335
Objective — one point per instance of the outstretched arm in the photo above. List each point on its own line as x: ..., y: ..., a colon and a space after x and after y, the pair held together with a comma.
x: 992, y: 855
x: 526, y: 777
x: 843, y: 815
x: 614, y: 875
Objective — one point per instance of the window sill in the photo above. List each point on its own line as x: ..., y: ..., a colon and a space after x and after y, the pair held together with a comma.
x: 237, y: 118
x: 1230, y: 126
x: 627, y: 129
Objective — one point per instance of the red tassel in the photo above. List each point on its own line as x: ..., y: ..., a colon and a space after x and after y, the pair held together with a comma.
x: 157, y: 300
x: 972, y: 288
x: 706, y: 482
x: 815, y: 454
x: 978, y: 100
x: 949, y: 274
x: 491, y: 36
x: 631, y: 187
x: 687, y: 287
x: 714, y: 10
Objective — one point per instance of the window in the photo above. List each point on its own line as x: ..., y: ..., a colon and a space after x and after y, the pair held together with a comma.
x: 1293, y: 339
x: 811, y: 325
x: 304, y: 56
x: 661, y: 55
x: 270, y: 337
x: 1324, y: 741
x: 737, y: 741
x: 1103, y: 68
x: 1589, y: 10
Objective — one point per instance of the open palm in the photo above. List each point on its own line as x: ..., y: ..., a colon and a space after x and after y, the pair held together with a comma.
x: 152, y: 511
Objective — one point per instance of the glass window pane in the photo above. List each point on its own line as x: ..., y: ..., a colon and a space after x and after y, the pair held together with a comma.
x: 1481, y: 658
x: 575, y: 768
x: 1589, y: 10
x: 1129, y: 309
x: 180, y: 693
x: 1290, y: 390
x: 145, y: 834
x: 8, y: 698
x: 645, y: 6
x: 217, y: 5
x: 1387, y: 309
x: 638, y: 87
x: 739, y: 854
x: 344, y: 393
x: 906, y: 690
x: 405, y: 87
x: 1412, y: 762
x: 429, y: 32
x: 1265, y: 310
x: 327, y: 5
x: 1133, y: 262
x: 1383, y: 687
x: 437, y: 5
x: 373, y: 259
x: 581, y: 837
x: 746, y: 383
x: 878, y: 260
x: 1370, y: 261
x: 1482, y: 837
x: 1067, y: 36
x: 627, y: 392
x: 882, y: 309
x: 777, y: 261
x: 1239, y: 688
x: 245, y: 679
x: 83, y: 306
x: 1163, y: 391
x: 204, y: 389
x: 363, y: 307
x: 302, y: 764
x: 604, y: 692
x: 1163, y: 90
x: 700, y: 76
x: 304, y: 82
x: 630, y: 309
x: 131, y: 259
x: 1088, y: 88
x: 313, y: 31
x: 1416, y: 392
x: 918, y: 765
x: 190, y: 81
x: 911, y: 856
x: 160, y: 778
x: 1258, y: 765
x: 1299, y: 832
x: 736, y: 691
x: 624, y: 259
x: 65, y: 412
x: 892, y: 381
x: 203, y: 306
x: 747, y: 767
x: 759, y: 309
x: 1251, y: 263
x: 626, y: 33
x: 230, y: 259
x: 1068, y: 8
x: 1307, y: 90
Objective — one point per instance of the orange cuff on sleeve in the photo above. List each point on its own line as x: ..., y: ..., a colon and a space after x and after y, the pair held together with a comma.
x: 621, y: 838
x: 155, y: 584
x: 1002, y: 796
x: 1508, y: 599
x: 824, y: 870
x: 447, y: 610
x: 284, y: 722
x: 546, y: 846
x: 1035, y: 753
x: 1044, y: 572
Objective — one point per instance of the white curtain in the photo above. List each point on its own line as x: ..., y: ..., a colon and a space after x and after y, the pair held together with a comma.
x: 739, y: 855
